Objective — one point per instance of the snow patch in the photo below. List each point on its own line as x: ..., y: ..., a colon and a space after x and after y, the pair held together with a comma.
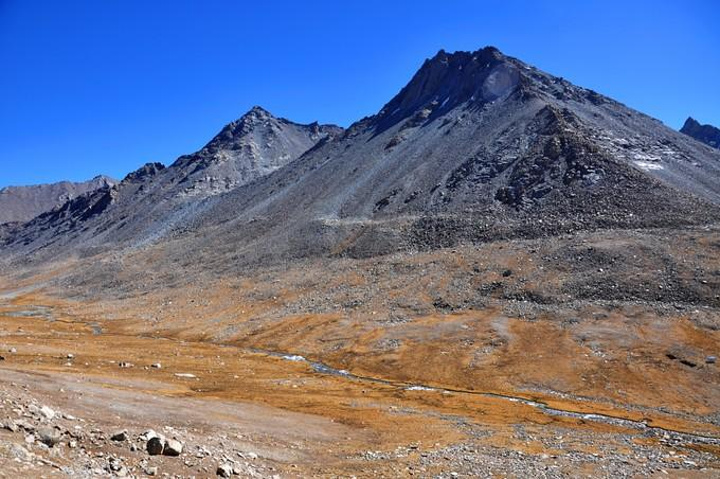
x: 649, y: 166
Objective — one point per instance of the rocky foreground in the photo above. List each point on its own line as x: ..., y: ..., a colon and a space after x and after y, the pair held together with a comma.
x: 39, y: 441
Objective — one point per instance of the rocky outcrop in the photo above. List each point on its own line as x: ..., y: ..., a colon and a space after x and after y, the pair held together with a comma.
x: 708, y: 134
x: 22, y: 203
x: 246, y: 149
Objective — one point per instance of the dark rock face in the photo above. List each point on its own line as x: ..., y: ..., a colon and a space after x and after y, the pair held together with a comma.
x: 477, y: 146
x: 22, y: 203
x: 448, y: 80
x: 708, y: 134
x: 144, y: 172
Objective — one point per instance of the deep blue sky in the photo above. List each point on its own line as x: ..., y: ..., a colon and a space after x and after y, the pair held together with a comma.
x: 105, y: 86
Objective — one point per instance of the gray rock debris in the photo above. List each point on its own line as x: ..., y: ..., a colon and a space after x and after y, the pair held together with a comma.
x: 120, y: 436
x: 225, y: 470
x: 48, y: 436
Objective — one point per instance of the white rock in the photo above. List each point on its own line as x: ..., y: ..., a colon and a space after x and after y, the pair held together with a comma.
x: 172, y: 448
x: 47, y: 412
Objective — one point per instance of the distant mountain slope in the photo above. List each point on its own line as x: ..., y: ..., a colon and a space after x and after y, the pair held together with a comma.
x: 708, y: 134
x: 154, y: 200
x: 477, y: 146
x: 23, y: 203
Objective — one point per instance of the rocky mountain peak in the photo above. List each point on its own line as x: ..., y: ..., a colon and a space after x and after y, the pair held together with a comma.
x: 252, y: 146
x: 690, y: 123
x: 707, y: 134
x: 449, y: 79
x: 144, y: 172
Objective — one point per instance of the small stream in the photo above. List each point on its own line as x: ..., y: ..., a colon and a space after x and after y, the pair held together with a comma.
x: 322, y: 368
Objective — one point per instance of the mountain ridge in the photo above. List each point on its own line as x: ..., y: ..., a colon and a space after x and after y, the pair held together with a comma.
x: 477, y: 145
x: 22, y: 203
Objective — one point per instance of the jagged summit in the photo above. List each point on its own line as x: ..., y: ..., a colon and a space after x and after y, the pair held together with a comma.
x: 449, y: 79
x: 707, y: 134
x: 252, y: 146
x: 145, y: 171
x: 259, y: 129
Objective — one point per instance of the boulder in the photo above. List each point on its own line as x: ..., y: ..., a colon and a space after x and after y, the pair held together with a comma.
x: 155, y: 445
x: 172, y: 448
x: 224, y: 470
x: 48, y: 436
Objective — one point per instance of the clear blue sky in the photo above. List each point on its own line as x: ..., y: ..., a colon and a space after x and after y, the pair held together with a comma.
x: 104, y: 86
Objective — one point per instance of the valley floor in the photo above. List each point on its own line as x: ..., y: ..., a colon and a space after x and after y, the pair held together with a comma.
x: 455, y: 364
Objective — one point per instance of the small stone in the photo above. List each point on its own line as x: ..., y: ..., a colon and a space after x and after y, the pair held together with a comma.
x: 711, y: 359
x: 125, y: 364
x: 151, y: 470
x: 172, y: 448
x: 12, y: 350
x: 185, y: 375
x: 10, y: 426
x: 224, y: 470
x: 120, y: 436
x: 156, y: 365
x: 70, y: 356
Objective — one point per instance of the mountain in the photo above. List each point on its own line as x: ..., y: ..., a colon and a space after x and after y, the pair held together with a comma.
x: 23, y: 203
x: 477, y: 146
x: 155, y: 199
x: 708, y: 134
